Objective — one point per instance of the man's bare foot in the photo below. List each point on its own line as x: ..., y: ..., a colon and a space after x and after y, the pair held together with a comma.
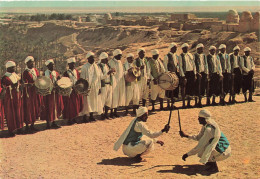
x: 138, y: 159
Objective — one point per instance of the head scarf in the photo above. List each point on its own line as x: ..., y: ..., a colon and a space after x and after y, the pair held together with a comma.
x: 29, y: 58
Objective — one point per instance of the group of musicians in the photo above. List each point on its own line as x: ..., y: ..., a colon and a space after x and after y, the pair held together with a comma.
x: 213, y: 75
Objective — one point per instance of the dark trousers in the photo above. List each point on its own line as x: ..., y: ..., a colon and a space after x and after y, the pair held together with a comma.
x: 226, y: 82
x: 237, y: 81
x: 201, y: 84
x: 248, y: 83
x: 214, y: 85
x: 190, y: 77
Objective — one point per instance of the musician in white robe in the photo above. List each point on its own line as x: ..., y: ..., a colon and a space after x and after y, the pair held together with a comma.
x: 132, y: 88
x: 118, y: 87
x: 157, y: 68
x: 91, y: 73
x: 137, y: 139
x: 106, y: 84
x: 144, y: 80
x: 212, y: 143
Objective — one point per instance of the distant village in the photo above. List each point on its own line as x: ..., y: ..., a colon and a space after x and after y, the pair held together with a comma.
x: 246, y: 22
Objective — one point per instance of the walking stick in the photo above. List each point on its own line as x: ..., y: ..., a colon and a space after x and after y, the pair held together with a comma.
x: 170, y: 117
x: 179, y: 118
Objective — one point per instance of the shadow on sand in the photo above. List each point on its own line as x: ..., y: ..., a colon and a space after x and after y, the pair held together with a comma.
x: 188, y: 170
x: 120, y: 161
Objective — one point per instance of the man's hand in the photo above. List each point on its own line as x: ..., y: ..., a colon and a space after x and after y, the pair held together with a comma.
x: 220, y: 78
x: 251, y: 72
x: 160, y: 142
x: 142, y: 67
x: 166, y: 128
x: 182, y: 134
x: 99, y: 91
x: 184, y: 157
x: 155, y: 81
x: 148, y: 81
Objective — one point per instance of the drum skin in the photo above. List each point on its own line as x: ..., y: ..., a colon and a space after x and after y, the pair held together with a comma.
x: 43, y: 85
x: 64, y: 86
x: 132, y: 75
x: 82, y: 87
x: 168, y: 81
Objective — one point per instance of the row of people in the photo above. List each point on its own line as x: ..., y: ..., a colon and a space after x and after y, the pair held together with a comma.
x: 197, y: 74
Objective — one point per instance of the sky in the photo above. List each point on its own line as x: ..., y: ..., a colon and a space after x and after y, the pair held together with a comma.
x: 125, y: 6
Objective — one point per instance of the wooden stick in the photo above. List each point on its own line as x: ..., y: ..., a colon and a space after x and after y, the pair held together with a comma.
x: 179, y: 118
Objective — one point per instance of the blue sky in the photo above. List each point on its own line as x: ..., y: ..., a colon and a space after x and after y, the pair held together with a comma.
x: 125, y: 3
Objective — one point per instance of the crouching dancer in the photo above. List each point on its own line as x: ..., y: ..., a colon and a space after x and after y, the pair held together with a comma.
x: 133, y: 143
x: 213, y: 145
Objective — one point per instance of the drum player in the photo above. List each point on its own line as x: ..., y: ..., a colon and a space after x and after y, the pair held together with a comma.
x: 157, y: 68
x: 171, y: 64
x: 73, y: 104
x: 132, y: 89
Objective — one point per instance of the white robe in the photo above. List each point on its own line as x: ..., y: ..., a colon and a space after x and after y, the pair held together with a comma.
x: 142, y: 84
x: 118, y: 87
x: 91, y: 73
x: 132, y: 91
x: 106, y: 91
x: 146, y: 143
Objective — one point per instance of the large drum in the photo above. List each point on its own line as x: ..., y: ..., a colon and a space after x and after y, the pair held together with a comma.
x: 82, y: 87
x: 43, y: 85
x: 168, y: 81
x: 132, y: 75
x: 64, y: 86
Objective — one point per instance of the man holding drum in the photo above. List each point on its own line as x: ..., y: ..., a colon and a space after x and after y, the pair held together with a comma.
x: 171, y: 64
x: 132, y: 89
x: 157, y: 68
x: 53, y: 104
x: 201, y: 84
x: 31, y: 100
x: 73, y: 104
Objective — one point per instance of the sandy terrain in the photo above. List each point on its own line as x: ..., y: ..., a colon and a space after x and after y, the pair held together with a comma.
x: 85, y: 150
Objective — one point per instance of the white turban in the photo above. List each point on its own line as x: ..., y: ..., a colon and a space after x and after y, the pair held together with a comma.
x: 222, y: 46
x: 236, y: 48
x: 117, y: 52
x: 185, y: 45
x: 205, y: 114
x: 103, y: 55
x: 172, y: 45
x: 28, y: 59
x: 155, y: 52
x: 141, y: 111
x: 130, y: 55
x: 49, y: 61
x: 140, y: 49
x: 199, y: 46
x: 247, y: 49
x: 212, y: 47
x: 71, y: 60
x: 89, y: 54
x: 10, y: 64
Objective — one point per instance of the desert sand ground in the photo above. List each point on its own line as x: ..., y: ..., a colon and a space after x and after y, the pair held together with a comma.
x: 86, y: 150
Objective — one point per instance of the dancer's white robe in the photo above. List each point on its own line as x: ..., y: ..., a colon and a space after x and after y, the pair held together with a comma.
x: 132, y: 91
x: 142, y: 83
x: 207, y: 133
x: 118, y: 87
x: 91, y: 73
x: 146, y: 143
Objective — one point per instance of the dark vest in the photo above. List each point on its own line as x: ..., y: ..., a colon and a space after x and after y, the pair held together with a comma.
x: 171, y: 66
x: 222, y: 61
x: 133, y: 137
x: 197, y: 61
x: 210, y: 63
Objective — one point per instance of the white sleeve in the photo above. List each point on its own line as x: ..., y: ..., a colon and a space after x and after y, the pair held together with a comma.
x: 197, y: 137
x: 83, y: 73
x: 207, y: 135
x: 149, y: 73
x: 180, y: 66
x: 141, y: 127
x: 165, y: 62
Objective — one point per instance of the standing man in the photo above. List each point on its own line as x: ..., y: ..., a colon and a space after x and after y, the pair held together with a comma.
x: 133, y: 145
x: 53, y: 104
x: 201, y: 84
x: 144, y: 80
x: 188, y: 74
x: 91, y: 73
x: 171, y: 64
x: 235, y: 61
x: 13, y: 100
x: 73, y: 104
x: 31, y: 100
x: 118, y: 97
x: 106, y: 84
x: 132, y: 89
x: 157, y: 68
x: 248, y: 67
x: 226, y: 70
x: 212, y: 144
x: 216, y: 77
